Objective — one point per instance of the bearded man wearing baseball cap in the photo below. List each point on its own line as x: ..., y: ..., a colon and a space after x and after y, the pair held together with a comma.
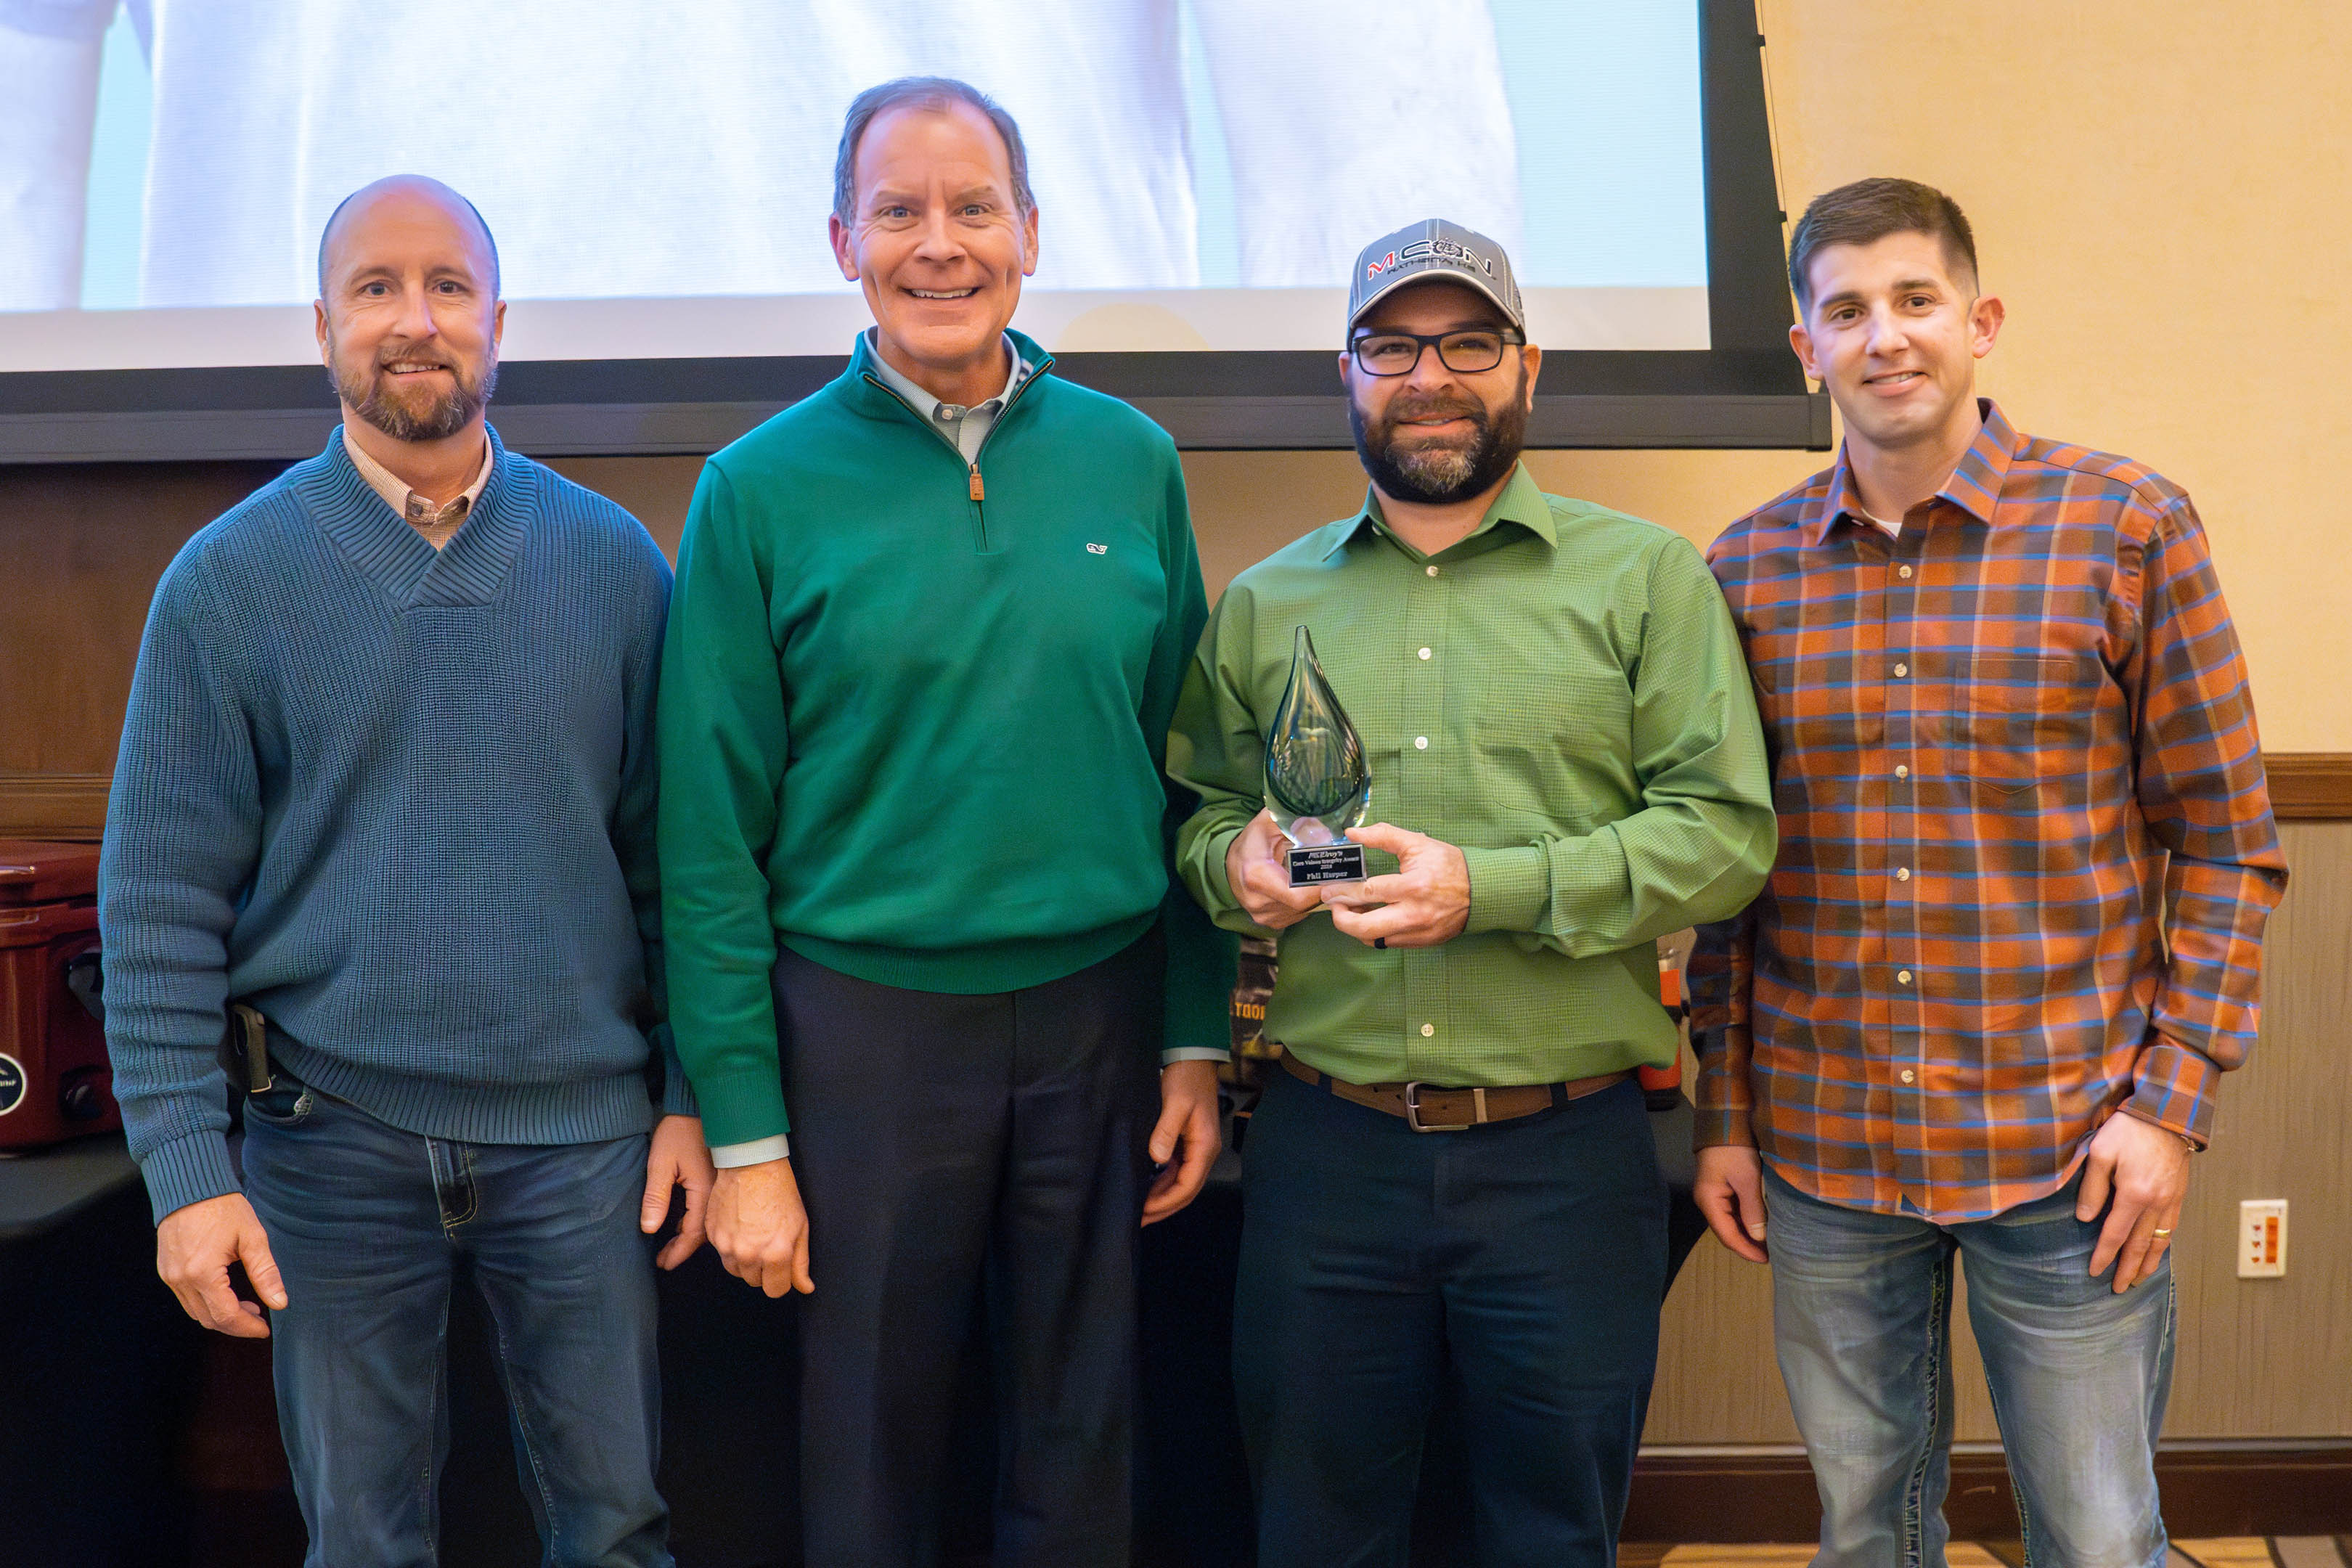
x: 1565, y: 764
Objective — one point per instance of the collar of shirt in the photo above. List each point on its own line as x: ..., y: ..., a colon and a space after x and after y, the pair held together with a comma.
x: 1974, y: 487
x: 952, y: 421
x: 1519, y: 501
x: 435, y: 522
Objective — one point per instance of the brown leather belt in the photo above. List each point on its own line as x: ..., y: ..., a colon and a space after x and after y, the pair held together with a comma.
x: 1428, y: 1110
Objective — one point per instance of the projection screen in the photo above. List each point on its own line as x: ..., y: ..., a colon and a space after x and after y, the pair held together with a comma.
x: 659, y: 179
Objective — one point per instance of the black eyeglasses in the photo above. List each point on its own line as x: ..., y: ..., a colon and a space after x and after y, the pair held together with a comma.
x: 1465, y: 353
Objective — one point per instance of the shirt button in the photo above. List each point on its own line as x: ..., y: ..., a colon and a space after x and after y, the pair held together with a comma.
x: 1427, y: 1030
x: 1901, y: 670
x: 1902, y: 771
x: 1908, y: 1075
x: 1902, y: 873
x: 1432, y: 571
x: 1424, y: 653
x: 1421, y: 742
x: 1902, y: 976
x: 1902, y: 571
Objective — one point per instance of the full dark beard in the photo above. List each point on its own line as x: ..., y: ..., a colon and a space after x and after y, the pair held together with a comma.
x: 1439, y: 476
x: 363, y: 387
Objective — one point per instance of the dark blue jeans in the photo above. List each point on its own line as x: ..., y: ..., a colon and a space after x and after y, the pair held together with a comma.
x: 369, y: 1224
x: 1861, y: 1308
x: 1524, y: 1260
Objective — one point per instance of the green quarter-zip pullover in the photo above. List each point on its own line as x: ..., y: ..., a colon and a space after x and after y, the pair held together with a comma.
x: 914, y: 715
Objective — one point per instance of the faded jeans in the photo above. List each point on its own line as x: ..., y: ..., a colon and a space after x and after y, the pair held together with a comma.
x: 369, y: 1225
x: 1862, y: 1313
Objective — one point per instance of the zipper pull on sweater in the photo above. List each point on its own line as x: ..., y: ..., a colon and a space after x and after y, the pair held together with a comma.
x: 979, y: 490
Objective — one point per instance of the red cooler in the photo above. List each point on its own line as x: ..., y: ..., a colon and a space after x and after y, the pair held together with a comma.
x: 55, y: 1080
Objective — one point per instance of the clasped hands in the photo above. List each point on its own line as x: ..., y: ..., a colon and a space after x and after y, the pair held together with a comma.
x: 1424, y: 902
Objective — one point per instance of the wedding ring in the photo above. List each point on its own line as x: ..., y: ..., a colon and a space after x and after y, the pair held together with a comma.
x: 2161, y: 1233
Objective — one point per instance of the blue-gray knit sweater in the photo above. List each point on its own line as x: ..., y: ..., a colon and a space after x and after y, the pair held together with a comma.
x: 401, y: 800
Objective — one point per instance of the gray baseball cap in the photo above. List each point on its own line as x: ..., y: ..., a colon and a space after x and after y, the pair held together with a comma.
x: 1434, y: 249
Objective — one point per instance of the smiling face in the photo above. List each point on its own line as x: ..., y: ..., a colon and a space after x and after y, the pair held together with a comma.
x: 1439, y: 435
x: 408, y: 315
x: 1894, y: 332
x: 937, y: 237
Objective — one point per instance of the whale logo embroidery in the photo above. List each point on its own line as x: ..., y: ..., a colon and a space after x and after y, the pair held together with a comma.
x: 1098, y: 549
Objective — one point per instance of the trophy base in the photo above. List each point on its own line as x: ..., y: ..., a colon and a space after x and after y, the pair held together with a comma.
x: 1311, y: 863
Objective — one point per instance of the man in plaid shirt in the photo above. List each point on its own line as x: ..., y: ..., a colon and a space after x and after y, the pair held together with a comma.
x: 2026, y: 855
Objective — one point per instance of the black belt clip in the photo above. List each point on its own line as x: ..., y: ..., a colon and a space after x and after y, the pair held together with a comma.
x: 252, y: 1035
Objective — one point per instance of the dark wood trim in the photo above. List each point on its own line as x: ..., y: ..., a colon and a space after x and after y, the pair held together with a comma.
x: 2209, y: 1489
x: 2310, y: 786
x: 64, y: 807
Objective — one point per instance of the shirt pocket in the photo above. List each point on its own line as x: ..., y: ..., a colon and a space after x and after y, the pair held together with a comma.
x: 2014, y: 720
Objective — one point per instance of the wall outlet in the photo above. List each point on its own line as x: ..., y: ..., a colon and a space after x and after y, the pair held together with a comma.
x: 2262, y: 1238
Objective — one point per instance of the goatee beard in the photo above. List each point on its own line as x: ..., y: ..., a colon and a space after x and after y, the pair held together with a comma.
x: 447, y: 415
x: 1440, y: 476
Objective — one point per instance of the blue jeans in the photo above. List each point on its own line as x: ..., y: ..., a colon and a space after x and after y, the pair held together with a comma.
x: 1523, y: 1262
x: 1863, y: 1312
x: 369, y: 1224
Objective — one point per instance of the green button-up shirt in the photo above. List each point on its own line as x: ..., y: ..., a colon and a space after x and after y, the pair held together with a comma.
x: 1561, y: 696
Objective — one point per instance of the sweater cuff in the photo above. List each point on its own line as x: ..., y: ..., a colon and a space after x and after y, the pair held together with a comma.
x: 187, y: 1170
x: 677, y: 1089
x: 759, y: 1152
x: 1506, y: 887
x: 744, y: 1106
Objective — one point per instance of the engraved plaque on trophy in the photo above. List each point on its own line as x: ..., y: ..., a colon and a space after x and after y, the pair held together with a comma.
x: 1318, y: 784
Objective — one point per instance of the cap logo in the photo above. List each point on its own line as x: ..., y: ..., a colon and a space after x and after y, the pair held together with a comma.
x: 1447, y: 248
x: 1382, y: 265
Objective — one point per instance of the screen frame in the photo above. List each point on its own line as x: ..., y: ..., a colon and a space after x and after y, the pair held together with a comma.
x: 1745, y: 390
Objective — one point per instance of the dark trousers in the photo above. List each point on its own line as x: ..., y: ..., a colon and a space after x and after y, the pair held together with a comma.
x: 1525, y: 1262
x: 951, y: 1148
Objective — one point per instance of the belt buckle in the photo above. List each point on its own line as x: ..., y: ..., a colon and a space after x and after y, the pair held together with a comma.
x: 1413, y: 1111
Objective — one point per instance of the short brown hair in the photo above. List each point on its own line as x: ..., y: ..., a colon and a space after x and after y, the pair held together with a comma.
x: 1869, y: 210
x: 935, y: 93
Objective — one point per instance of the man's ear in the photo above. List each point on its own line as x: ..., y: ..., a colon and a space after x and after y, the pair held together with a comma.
x: 1801, y: 343
x: 1532, y: 357
x: 498, y: 324
x: 319, y: 325
x: 845, y: 252
x: 1985, y: 318
x: 1029, y: 243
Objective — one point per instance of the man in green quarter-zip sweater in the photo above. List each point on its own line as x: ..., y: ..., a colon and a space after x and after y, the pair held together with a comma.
x: 928, y: 632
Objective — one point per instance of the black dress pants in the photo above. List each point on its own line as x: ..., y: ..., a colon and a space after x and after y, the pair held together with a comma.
x: 1521, y: 1263
x: 947, y: 1146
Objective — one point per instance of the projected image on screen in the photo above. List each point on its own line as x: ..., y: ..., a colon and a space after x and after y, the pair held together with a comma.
x: 1205, y: 170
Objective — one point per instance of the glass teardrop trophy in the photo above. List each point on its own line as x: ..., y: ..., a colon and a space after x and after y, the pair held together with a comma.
x: 1317, y: 784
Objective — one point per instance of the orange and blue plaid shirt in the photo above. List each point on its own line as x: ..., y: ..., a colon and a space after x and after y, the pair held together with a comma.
x: 2003, y: 745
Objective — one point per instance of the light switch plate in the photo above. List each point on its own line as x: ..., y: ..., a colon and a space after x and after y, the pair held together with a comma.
x: 2262, y: 1238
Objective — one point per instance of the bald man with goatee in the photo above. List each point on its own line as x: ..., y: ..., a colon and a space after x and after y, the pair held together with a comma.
x: 384, y: 815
